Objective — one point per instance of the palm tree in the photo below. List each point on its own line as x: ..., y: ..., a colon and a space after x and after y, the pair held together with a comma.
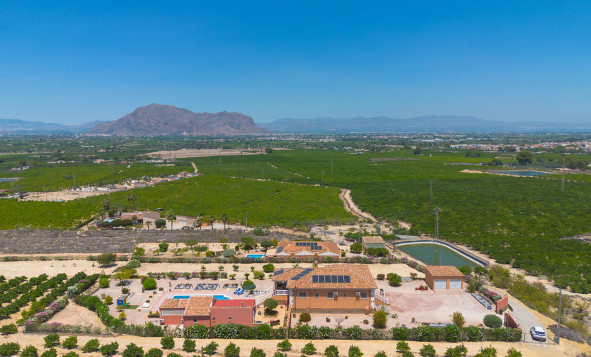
x: 171, y: 217
x: 106, y: 205
x: 131, y: 198
x: 199, y: 221
x: 225, y: 220
x: 148, y: 223
x: 212, y: 219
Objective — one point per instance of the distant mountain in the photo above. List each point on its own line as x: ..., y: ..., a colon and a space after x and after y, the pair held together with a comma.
x: 158, y: 119
x: 430, y: 123
x: 16, y: 126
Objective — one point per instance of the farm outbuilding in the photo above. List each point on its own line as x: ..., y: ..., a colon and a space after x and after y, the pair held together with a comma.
x: 444, y: 278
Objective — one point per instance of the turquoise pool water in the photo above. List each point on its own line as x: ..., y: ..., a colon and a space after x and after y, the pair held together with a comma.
x: 255, y: 256
x: 433, y: 254
x: 525, y: 173
x: 217, y: 297
x: 8, y: 179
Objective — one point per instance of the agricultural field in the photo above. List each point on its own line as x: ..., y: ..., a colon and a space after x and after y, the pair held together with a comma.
x: 516, y: 220
x: 62, y: 176
x: 267, y: 202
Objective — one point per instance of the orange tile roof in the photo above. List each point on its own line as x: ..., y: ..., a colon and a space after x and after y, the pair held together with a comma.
x: 174, y: 304
x: 360, y: 276
x: 198, y: 306
x: 444, y: 271
x: 289, y: 247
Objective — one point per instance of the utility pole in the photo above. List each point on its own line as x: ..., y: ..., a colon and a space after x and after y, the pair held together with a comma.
x: 74, y: 181
x: 247, y: 220
x: 323, y: 177
x: 431, y: 190
x: 331, y: 167
x: 437, y: 210
x: 559, y: 314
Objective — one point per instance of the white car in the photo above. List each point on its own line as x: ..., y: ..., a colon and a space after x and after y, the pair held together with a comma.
x: 538, y: 333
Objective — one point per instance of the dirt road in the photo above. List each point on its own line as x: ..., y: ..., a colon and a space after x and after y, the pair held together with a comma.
x: 350, y: 206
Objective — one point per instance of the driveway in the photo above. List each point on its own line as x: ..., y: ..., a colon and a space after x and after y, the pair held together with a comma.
x: 525, y: 319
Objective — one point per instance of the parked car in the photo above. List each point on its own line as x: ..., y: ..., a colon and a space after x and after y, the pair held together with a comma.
x: 538, y: 333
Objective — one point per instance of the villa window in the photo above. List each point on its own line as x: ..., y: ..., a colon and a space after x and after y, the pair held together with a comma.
x: 194, y: 320
x: 302, y: 294
x: 363, y: 295
x: 316, y: 295
x: 330, y: 295
x: 345, y: 295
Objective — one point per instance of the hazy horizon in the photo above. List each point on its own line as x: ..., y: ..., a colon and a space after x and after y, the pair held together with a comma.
x: 72, y: 62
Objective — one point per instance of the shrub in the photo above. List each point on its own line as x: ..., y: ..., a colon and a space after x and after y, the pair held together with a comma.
x: 172, y: 354
x: 457, y: 351
x: 427, y: 351
x: 49, y: 353
x: 91, y: 346
x: 331, y: 351
x: 512, y: 352
x: 458, y: 319
x: 284, y: 345
x: 381, y: 354
x: 8, y: 329
x: 394, y: 279
x: 309, y: 349
x: 270, y: 304
x: 167, y: 342
x: 9, y: 349
x: 104, y: 283
x: 487, y: 352
x: 109, y: 349
x: 452, y: 333
x: 232, y: 350
x: 492, y: 321
x: 402, y: 346
x: 108, y: 300
x: 280, y: 354
x: 154, y: 352
x: 51, y: 340
x: 159, y: 223
x: 106, y: 258
x: 29, y: 351
x: 379, y: 319
x: 70, y: 342
x: 133, y: 350
x: 211, y: 348
x: 268, y: 268
x: 122, y: 315
x: 257, y: 352
x: 381, y: 276
x: 149, y: 284
x: 305, y: 317
x: 189, y: 345
x: 354, y: 351
x: 71, y: 354
x: 356, y: 248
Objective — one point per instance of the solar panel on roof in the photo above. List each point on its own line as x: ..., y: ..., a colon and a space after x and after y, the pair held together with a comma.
x: 315, y: 278
x: 341, y: 279
x: 280, y: 271
x: 301, y: 274
x: 321, y: 278
x: 347, y: 279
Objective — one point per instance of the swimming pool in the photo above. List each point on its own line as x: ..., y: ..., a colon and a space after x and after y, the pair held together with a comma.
x: 255, y: 256
x: 217, y: 297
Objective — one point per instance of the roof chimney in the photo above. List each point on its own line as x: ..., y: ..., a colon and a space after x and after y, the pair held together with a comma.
x: 315, y: 264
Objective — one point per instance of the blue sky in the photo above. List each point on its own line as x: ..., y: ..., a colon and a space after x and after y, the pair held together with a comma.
x: 78, y: 61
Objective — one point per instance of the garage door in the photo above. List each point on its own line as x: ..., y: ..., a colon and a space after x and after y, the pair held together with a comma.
x: 440, y: 284
x: 455, y: 284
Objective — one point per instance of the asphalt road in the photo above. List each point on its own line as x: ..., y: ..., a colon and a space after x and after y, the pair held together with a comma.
x: 525, y: 319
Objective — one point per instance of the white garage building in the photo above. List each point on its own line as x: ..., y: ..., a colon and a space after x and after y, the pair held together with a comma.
x: 444, y: 278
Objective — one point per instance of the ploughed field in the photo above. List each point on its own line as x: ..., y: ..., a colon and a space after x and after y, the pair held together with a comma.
x: 517, y: 220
